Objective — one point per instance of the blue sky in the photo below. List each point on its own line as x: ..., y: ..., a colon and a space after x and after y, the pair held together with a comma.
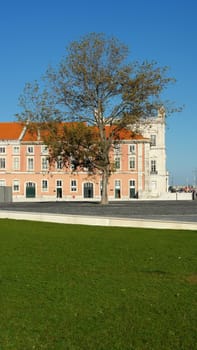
x: 34, y: 34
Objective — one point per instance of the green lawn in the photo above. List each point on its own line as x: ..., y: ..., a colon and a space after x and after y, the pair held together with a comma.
x: 67, y: 287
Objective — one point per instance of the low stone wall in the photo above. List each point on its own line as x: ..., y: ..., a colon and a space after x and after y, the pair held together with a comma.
x: 183, y: 196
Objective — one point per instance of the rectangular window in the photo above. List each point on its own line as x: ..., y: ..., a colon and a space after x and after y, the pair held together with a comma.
x: 45, y: 163
x: 153, y: 167
x: 16, y: 186
x: 16, y: 149
x: 30, y: 149
x: 132, y: 163
x: 132, y: 183
x: 73, y: 185
x: 44, y: 185
x: 30, y: 164
x: 117, y: 163
x: 117, y: 148
x: 59, y: 163
x: 44, y: 149
x: 59, y: 183
x: 2, y: 183
x: 16, y: 163
x: 132, y: 149
x: 2, y: 149
x: 2, y: 163
x: 153, y: 140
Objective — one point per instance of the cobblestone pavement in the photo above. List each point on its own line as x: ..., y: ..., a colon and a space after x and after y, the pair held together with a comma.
x: 152, y: 210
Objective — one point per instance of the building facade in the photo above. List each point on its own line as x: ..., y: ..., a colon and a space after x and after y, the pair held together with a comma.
x: 155, y: 156
x: 140, y: 170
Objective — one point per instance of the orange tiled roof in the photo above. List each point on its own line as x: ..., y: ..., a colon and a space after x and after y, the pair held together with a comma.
x: 10, y: 131
x: 13, y: 130
x: 124, y: 134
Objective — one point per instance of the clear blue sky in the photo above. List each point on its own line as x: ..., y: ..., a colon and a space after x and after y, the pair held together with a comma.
x: 34, y: 34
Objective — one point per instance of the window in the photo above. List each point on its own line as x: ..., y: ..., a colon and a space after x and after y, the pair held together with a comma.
x: 16, y: 149
x: 117, y: 189
x: 2, y: 183
x: 117, y: 148
x: 44, y: 185
x: 30, y: 149
x: 132, y: 163
x: 2, y: 163
x: 132, y: 149
x: 153, y: 167
x: 16, y: 163
x: 59, y: 163
x: 30, y: 164
x: 16, y: 186
x: 73, y: 185
x: 2, y: 149
x: 45, y: 163
x: 59, y: 183
x: 44, y: 149
x: 132, y: 183
x: 59, y: 191
x: 117, y: 163
x: 153, y: 140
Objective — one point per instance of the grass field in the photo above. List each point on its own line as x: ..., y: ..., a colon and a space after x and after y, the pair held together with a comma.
x: 67, y: 287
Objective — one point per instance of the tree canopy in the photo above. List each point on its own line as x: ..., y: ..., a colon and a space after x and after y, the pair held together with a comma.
x: 97, y: 84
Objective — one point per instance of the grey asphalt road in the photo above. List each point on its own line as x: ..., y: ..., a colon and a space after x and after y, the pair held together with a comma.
x: 185, y: 211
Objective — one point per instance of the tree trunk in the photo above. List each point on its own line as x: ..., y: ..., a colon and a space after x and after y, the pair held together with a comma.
x: 104, y: 196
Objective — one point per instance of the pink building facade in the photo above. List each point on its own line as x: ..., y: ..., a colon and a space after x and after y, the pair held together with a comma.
x: 24, y: 167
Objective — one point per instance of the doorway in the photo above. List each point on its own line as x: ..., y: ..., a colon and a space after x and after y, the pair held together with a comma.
x: 30, y: 190
x: 132, y: 191
x: 88, y: 190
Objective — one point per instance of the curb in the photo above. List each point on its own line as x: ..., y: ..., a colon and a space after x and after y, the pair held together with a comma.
x: 97, y: 221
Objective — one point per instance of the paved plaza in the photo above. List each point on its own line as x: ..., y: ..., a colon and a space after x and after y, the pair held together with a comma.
x: 178, y: 211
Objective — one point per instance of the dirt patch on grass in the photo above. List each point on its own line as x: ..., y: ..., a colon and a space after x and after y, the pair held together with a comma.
x: 192, y: 279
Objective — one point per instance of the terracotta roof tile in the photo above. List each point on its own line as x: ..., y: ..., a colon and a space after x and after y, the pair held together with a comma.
x: 10, y: 131
x: 13, y: 130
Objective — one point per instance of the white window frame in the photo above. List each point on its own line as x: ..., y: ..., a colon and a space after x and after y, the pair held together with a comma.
x: 117, y: 186
x: 16, y: 186
x: 117, y: 148
x: 2, y: 163
x: 132, y: 163
x: 30, y: 149
x: 59, y: 163
x: 117, y: 161
x: 153, y: 166
x: 132, y: 183
x: 132, y: 148
x: 2, y: 149
x: 2, y: 183
x: 59, y: 183
x: 16, y: 163
x: 44, y: 149
x: 153, y: 140
x: 44, y: 163
x: 73, y: 185
x: 43, y: 187
x: 16, y: 149
x: 29, y: 161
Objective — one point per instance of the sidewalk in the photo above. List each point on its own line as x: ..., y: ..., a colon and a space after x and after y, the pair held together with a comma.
x: 97, y: 221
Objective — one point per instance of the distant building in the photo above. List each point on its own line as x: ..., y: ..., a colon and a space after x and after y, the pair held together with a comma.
x: 140, y: 167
